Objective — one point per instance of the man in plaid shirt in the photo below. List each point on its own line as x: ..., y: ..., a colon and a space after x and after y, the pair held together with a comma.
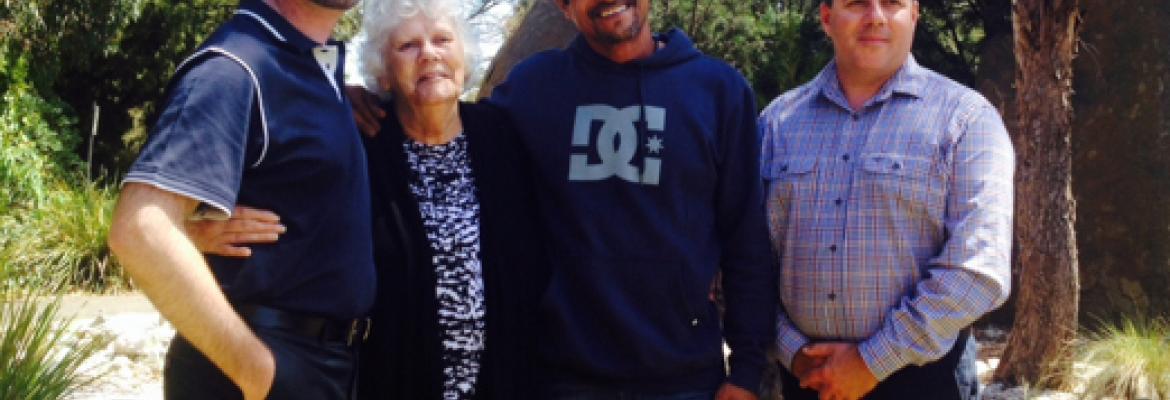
x: 890, y: 207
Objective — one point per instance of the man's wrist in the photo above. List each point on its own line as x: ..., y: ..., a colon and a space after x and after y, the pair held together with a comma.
x: 254, y: 371
x: 880, y: 357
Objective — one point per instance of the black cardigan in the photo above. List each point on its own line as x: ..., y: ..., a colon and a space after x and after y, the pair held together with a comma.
x: 401, y: 360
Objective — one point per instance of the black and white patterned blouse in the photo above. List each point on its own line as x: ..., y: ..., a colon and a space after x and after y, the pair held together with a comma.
x: 442, y: 184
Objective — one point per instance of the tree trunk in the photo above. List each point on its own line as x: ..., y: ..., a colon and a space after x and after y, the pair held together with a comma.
x: 543, y: 27
x: 1046, y: 311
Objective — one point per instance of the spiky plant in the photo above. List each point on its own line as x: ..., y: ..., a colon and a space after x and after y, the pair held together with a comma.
x: 1130, y: 360
x: 37, y: 359
x: 62, y: 245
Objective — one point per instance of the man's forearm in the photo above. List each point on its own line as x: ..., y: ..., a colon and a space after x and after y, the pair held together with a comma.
x: 147, y: 237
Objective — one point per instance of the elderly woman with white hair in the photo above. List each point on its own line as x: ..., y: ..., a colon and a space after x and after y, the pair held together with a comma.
x: 459, y: 263
x: 460, y: 267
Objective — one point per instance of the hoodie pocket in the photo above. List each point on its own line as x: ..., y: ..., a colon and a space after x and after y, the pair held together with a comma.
x: 625, y: 316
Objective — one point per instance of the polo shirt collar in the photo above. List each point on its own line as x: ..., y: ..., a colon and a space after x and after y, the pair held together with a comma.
x: 909, y: 80
x: 276, y: 25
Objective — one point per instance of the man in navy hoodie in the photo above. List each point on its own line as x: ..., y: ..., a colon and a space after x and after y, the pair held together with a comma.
x: 646, y: 163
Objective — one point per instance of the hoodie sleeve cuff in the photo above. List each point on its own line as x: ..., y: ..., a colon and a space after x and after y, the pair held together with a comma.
x: 747, y: 370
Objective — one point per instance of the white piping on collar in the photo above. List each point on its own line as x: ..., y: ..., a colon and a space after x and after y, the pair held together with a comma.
x: 255, y: 83
x: 261, y: 20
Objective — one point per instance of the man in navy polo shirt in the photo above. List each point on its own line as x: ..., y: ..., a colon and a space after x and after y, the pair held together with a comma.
x: 256, y: 116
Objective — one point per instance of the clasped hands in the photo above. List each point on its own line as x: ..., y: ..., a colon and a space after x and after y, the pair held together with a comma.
x: 834, y: 369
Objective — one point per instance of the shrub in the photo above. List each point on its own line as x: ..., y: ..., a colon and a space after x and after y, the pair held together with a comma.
x: 53, y: 222
x: 1130, y: 361
x: 62, y: 245
x: 37, y: 140
x: 34, y: 356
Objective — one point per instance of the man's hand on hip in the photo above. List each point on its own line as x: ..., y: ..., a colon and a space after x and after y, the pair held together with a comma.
x: 228, y: 237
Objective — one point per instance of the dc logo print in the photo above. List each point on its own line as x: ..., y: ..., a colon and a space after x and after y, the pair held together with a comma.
x: 616, y: 156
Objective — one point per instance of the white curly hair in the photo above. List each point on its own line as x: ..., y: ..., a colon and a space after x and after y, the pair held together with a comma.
x: 381, y: 17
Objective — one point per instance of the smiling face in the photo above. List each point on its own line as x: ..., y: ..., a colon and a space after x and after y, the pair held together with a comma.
x: 871, y: 38
x: 424, y: 61
x: 608, y: 22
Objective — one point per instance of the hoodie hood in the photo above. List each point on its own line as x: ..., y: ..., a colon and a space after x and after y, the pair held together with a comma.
x: 679, y: 49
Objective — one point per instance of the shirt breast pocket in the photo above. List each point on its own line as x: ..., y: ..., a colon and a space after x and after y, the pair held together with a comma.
x: 907, y: 181
x: 786, y: 179
x: 789, y: 169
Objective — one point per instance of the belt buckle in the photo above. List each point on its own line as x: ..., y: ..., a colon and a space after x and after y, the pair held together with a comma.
x: 357, y: 325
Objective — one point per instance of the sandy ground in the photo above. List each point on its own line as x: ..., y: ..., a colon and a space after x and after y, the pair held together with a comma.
x: 131, y: 366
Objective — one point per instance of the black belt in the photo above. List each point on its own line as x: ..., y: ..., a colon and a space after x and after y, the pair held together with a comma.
x: 330, y: 330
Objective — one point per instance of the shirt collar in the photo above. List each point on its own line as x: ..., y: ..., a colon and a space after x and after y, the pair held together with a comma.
x: 275, y: 24
x: 909, y: 80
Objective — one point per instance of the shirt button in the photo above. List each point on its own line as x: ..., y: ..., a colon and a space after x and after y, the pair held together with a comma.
x: 845, y: 157
x: 832, y: 296
x: 833, y: 248
x: 695, y: 322
x: 838, y: 201
x: 897, y: 166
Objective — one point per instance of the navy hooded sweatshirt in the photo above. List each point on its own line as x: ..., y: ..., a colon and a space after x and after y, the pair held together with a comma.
x: 648, y: 183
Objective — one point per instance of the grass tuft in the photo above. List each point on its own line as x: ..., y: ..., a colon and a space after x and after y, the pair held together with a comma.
x: 61, y: 246
x: 1128, y: 361
x: 37, y: 358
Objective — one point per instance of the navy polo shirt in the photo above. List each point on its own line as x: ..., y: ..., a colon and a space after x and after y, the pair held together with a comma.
x: 257, y: 117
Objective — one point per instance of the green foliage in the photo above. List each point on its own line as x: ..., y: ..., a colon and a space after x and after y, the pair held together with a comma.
x: 950, y: 34
x: 777, y: 46
x: 117, y: 54
x: 35, y: 136
x: 52, y: 222
x: 62, y: 244
x: 1130, y: 361
x: 57, y: 59
x: 36, y: 356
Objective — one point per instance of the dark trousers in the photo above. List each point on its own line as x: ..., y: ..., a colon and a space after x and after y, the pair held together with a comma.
x: 584, y: 392
x: 305, y: 369
x: 951, y: 377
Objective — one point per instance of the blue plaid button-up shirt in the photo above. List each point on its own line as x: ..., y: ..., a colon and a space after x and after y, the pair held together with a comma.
x: 892, y: 223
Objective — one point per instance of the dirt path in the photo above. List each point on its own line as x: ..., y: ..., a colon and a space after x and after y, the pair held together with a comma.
x: 130, y: 367
x: 90, y: 306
